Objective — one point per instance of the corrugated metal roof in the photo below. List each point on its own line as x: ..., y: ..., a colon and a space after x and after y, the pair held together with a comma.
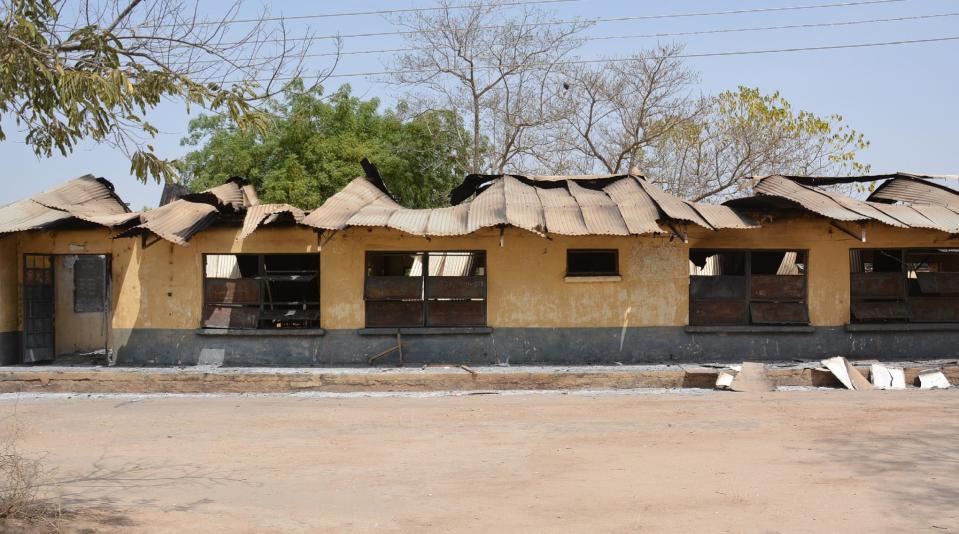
x: 915, y: 191
x: 177, y: 222
x: 843, y: 208
x: 620, y: 205
x: 87, y: 198
x: 263, y: 214
x: 600, y: 212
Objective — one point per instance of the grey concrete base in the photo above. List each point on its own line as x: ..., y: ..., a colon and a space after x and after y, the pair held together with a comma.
x: 9, y: 348
x: 531, y: 346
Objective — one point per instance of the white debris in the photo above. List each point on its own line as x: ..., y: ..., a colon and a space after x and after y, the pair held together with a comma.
x: 725, y: 379
x: 848, y: 375
x: 887, y: 377
x: 933, y: 379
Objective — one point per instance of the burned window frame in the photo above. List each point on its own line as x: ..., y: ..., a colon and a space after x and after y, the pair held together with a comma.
x: 264, y: 318
x: 474, y: 289
x: 892, y: 297
x: 83, y: 302
x: 702, y: 311
x: 573, y: 274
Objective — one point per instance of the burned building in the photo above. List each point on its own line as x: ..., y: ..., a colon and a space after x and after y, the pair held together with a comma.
x: 519, y: 269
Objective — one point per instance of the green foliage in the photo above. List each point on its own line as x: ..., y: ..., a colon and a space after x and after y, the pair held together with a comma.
x: 66, y: 86
x: 313, y: 147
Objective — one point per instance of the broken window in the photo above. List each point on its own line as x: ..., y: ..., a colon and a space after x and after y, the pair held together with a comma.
x: 261, y: 291
x: 741, y: 287
x: 904, y: 285
x: 592, y: 262
x: 411, y: 289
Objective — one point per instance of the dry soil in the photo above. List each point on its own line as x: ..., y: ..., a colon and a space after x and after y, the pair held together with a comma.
x: 798, y: 461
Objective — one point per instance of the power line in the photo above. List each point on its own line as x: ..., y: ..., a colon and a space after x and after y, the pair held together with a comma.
x: 683, y: 34
x: 596, y: 20
x: 365, y: 13
x: 678, y: 56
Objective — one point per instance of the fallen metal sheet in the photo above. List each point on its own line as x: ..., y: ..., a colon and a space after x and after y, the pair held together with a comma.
x: 848, y: 375
x: 636, y: 206
x: 673, y: 207
x: 724, y: 217
x: 887, y: 377
x: 339, y: 208
x: 523, y: 207
x: 933, y: 379
x: 562, y: 212
x: 488, y: 208
x: 87, y: 198
x: 228, y: 196
x: 751, y: 378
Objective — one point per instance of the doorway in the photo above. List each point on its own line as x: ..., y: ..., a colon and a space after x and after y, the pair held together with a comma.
x: 66, y: 308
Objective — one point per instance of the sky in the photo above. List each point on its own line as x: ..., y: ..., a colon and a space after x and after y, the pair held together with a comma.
x: 903, y: 98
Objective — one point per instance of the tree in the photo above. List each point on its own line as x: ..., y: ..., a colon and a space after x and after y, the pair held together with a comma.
x: 745, y: 133
x: 617, y: 111
x: 314, y: 145
x: 498, y: 70
x: 92, y: 70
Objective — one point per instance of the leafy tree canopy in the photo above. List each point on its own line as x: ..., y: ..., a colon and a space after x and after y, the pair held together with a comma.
x: 314, y: 144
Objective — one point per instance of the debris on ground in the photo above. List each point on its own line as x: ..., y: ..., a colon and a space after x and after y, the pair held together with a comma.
x: 751, y: 378
x: 887, y: 377
x: 933, y: 379
x: 847, y: 374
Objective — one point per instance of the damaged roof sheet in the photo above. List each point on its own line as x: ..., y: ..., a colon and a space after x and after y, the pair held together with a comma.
x: 86, y: 198
x: 915, y: 191
x: 180, y: 220
x: 265, y: 214
x: 581, y: 205
x: 843, y: 208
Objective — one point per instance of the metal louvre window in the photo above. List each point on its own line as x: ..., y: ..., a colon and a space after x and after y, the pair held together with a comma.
x: 904, y: 285
x: 585, y: 262
x: 414, y: 289
x: 742, y: 287
x: 248, y: 291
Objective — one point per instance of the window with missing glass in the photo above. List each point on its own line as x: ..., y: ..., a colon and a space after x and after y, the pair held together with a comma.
x: 418, y: 289
x: 743, y: 287
x: 904, y: 285
x: 249, y: 291
x: 592, y: 262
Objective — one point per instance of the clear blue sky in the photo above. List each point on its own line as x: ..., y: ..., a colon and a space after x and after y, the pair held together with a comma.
x: 904, y: 98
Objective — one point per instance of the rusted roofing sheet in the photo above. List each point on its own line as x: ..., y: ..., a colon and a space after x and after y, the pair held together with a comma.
x: 623, y: 205
x: 810, y: 198
x: 914, y: 191
x: 263, y: 214
x: 88, y: 198
x: 229, y: 196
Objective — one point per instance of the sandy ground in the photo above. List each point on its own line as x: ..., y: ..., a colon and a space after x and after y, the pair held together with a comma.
x: 797, y: 461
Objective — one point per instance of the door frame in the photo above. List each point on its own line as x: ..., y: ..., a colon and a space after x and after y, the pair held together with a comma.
x: 25, y: 309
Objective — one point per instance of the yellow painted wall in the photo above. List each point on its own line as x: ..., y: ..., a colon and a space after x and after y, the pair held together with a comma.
x: 526, y: 278
x: 75, y: 332
x: 8, y: 284
x: 828, y: 270
x: 162, y: 286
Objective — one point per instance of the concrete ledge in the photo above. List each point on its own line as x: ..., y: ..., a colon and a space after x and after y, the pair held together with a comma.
x: 902, y: 327
x: 751, y: 329
x: 285, y: 332
x: 452, y: 378
x: 427, y: 331
x: 588, y: 279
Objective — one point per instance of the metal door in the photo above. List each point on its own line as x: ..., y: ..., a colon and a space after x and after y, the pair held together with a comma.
x: 38, y: 339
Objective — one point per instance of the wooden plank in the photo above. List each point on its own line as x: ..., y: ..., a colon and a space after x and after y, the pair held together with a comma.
x: 717, y: 287
x: 394, y: 287
x: 394, y: 313
x: 878, y: 285
x: 934, y: 309
x: 227, y: 317
x: 456, y: 313
x: 939, y: 283
x: 778, y: 313
x: 456, y: 287
x: 881, y: 310
x: 717, y: 312
x: 773, y: 286
x: 238, y: 291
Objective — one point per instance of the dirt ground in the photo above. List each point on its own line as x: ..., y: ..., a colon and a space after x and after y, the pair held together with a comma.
x: 798, y: 461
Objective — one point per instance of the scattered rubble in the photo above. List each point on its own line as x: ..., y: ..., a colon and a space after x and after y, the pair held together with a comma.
x: 933, y: 379
x: 887, y: 377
